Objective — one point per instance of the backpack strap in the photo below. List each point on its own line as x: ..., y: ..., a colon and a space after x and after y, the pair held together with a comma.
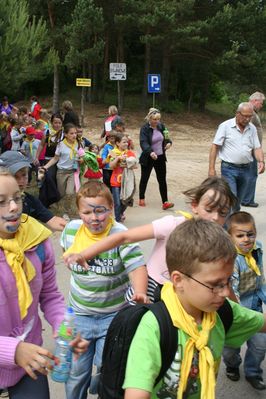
x: 226, y: 315
x: 168, y: 337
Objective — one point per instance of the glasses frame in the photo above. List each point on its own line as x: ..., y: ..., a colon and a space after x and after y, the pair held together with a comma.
x: 216, y: 289
x: 18, y: 201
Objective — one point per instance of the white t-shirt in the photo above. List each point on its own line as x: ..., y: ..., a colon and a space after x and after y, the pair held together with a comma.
x: 63, y: 151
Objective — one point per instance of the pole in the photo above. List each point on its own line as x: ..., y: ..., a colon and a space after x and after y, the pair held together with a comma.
x: 82, y: 106
x: 118, y: 95
x: 153, y: 100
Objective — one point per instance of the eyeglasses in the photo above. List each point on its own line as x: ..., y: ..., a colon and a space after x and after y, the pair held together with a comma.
x: 4, y: 203
x: 245, y: 116
x: 217, y: 289
x: 99, y: 210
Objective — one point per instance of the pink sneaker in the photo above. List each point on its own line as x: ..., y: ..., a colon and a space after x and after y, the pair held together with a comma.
x: 167, y: 205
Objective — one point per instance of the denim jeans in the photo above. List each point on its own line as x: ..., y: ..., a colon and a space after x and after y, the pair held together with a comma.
x: 255, y: 354
x: 238, y: 180
x: 118, y: 206
x: 249, y: 197
x: 94, y: 329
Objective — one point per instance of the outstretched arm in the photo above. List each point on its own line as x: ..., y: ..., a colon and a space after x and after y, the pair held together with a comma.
x: 136, y: 234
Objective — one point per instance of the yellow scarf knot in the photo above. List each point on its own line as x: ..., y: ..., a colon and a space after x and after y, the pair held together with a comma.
x: 251, y: 262
x: 197, y: 340
x: 73, y: 148
x: 29, y: 234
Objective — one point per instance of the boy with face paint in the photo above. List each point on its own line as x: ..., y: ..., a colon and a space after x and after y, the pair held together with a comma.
x: 249, y: 286
x: 101, y: 288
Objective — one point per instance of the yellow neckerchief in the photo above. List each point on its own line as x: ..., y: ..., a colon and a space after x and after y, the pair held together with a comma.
x: 197, y: 340
x: 53, y: 133
x: 30, y: 143
x: 29, y: 234
x: 186, y: 215
x: 115, y: 151
x: 73, y: 150
x: 84, y: 238
x: 251, y: 262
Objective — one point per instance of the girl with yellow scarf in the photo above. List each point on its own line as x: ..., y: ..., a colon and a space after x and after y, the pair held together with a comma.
x: 66, y: 158
x: 27, y: 281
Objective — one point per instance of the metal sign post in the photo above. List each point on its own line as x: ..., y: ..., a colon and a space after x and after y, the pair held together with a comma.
x: 82, y: 82
x: 154, y: 85
x: 118, y: 71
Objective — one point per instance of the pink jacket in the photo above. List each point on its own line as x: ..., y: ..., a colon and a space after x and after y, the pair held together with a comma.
x: 12, y: 329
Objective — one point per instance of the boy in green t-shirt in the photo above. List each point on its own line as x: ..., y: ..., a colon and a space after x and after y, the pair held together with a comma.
x: 200, y: 258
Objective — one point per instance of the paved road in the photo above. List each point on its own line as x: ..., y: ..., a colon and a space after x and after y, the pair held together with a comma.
x: 225, y: 388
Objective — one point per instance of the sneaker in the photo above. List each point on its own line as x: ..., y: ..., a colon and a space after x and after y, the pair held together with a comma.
x: 142, y: 202
x: 256, y: 382
x: 167, y: 205
x: 232, y: 373
x: 4, y: 393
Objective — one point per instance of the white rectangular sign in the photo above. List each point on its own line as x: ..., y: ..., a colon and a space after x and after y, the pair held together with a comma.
x: 118, y: 71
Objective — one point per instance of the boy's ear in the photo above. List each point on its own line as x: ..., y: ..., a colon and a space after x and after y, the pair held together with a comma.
x: 194, y: 207
x: 177, y: 279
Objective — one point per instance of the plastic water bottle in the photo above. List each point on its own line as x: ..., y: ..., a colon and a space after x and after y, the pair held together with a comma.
x: 166, y: 134
x: 63, y: 353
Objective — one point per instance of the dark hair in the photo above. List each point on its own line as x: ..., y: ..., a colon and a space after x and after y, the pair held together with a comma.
x: 225, y: 197
x: 198, y: 241
x: 239, y: 218
x: 69, y: 126
x: 56, y: 115
x: 5, y: 98
x: 118, y: 137
x: 34, y: 98
x: 91, y: 146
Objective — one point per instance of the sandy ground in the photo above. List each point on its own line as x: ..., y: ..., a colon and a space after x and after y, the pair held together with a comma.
x: 187, y: 166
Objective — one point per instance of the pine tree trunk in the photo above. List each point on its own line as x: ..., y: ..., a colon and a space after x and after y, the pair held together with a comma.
x: 165, y: 74
x: 56, y: 90
x: 147, y: 65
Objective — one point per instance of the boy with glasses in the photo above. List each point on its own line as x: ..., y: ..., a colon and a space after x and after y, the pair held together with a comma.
x: 200, y: 258
x: 249, y: 286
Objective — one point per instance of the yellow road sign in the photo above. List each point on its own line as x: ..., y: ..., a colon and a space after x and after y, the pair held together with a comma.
x: 83, y: 82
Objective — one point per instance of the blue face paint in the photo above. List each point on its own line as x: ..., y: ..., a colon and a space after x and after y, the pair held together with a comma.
x: 12, y: 229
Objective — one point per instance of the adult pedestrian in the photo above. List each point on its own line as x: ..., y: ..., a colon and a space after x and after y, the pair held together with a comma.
x: 154, y: 141
x: 256, y: 100
x: 111, y: 121
x: 70, y: 116
x: 6, y: 108
x: 235, y: 140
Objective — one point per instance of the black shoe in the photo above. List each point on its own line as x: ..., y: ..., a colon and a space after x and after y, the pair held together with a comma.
x: 256, y: 382
x: 232, y: 373
x: 251, y: 205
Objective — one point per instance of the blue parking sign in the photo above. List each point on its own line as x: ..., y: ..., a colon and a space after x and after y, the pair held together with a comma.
x: 154, y: 83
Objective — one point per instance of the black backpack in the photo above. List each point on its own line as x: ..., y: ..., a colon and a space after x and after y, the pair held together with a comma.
x: 120, y: 334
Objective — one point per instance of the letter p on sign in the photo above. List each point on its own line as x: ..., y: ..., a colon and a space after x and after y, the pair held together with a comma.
x: 154, y: 83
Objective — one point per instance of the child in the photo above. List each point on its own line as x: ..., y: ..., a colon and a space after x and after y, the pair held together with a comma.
x: 29, y: 148
x: 84, y: 142
x: 120, y: 127
x: 16, y: 134
x: 211, y: 200
x: 40, y: 131
x: 35, y: 108
x: 200, y: 258
x: 120, y: 159
x: 108, y: 147
x: 66, y: 159
x: 98, y: 293
x: 93, y: 173
x: 249, y: 287
x: 27, y: 281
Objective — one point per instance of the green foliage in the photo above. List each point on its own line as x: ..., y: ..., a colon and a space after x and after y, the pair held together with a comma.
x: 83, y: 35
x: 24, y: 49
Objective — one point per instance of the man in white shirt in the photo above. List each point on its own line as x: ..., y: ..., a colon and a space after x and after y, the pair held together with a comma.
x: 235, y: 141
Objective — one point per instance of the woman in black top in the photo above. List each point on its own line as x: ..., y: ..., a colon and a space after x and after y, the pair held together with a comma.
x: 154, y: 141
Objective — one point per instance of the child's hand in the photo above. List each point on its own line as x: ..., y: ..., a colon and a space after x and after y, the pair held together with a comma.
x: 71, y: 259
x: 79, y: 345
x: 32, y: 358
x: 140, y: 298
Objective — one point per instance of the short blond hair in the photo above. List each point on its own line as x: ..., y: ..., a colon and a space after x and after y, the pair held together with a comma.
x: 152, y: 112
x: 198, y: 241
x: 112, y: 110
x: 93, y: 189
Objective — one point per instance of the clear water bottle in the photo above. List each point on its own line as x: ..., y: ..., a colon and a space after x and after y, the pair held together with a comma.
x: 63, y: 353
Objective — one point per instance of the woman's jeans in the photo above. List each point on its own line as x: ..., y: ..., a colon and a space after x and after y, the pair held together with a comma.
x: 159, y: 166
x: 255, y: 353
x: 94, y: 329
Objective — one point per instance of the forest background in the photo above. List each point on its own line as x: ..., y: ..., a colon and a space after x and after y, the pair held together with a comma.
x: 206, y: 51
